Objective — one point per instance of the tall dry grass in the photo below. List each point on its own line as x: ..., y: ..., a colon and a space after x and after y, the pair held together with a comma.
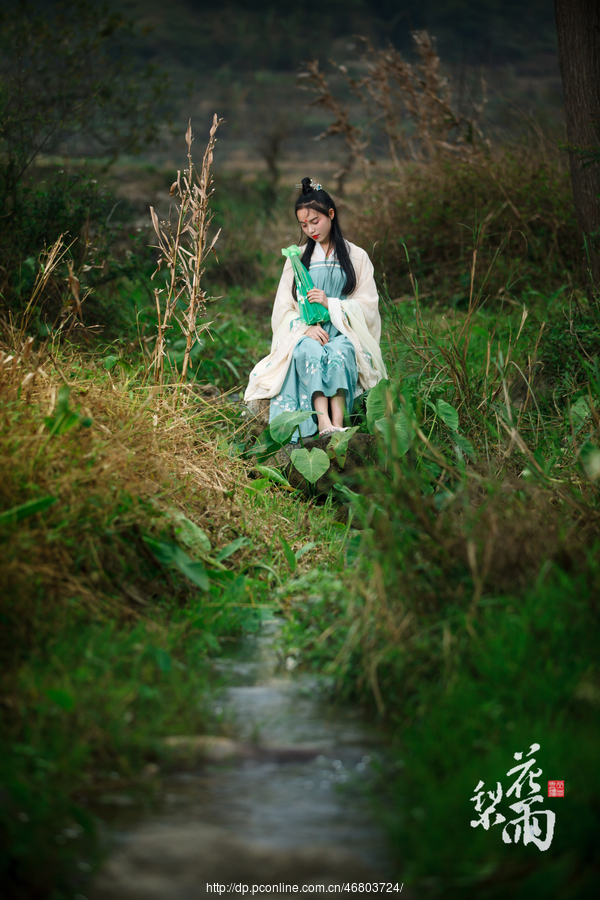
x: 413, y: 105
x: 439, y: 185
x: 184, y: 245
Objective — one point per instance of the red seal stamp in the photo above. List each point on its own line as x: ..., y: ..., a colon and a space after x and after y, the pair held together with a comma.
x: 556, y: 789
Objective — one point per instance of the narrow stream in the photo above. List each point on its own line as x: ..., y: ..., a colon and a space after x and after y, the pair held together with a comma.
x: 291, y: 808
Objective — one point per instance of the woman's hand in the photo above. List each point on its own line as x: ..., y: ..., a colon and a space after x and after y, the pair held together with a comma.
x: 317, y: 296
x: 317, y: 333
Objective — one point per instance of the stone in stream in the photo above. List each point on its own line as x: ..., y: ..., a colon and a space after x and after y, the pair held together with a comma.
x: 163, y: 862
x: 191, y: 749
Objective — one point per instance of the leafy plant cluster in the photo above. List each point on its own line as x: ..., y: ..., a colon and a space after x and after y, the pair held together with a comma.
x: 514, y: 205
x: 468, y: 615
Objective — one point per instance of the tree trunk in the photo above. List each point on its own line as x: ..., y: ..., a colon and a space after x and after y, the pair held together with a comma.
x: 578, y: 28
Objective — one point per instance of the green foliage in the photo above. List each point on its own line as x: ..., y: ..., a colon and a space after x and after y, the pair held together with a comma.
x: 92, y: 710
x: 65, y: 418
x: 338, y: 445
x: 66, y: 74
x: 312, y: 464
x: 113, y: 598
x: 285, y: 424
x: 24, y: 510
x: 516, y: 209
x: 68, y: 78
x: 169, y: 553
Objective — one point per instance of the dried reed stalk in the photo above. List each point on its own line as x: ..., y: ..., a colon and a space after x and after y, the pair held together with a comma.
x: 413, y: 104
x: 353, y: 135
x: 49, y: 261
x: 184, y: 246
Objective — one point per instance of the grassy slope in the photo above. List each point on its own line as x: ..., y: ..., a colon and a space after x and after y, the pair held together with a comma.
x: 104, y: 648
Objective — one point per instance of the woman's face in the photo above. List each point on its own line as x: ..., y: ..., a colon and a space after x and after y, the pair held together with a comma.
x: 315, y: 224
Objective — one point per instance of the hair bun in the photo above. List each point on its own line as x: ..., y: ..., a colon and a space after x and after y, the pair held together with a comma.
x: 307, y: 185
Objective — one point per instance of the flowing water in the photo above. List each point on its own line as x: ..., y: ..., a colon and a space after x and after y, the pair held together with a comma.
x: 290, y: 807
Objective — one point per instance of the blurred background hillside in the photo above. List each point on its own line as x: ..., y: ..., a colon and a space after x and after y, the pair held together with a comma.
x: 241, y: 59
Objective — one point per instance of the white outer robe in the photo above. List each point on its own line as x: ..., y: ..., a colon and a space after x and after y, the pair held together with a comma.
x: 357, y: 317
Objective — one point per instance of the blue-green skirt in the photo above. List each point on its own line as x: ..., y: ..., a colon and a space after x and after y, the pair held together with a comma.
x: 314, y: 368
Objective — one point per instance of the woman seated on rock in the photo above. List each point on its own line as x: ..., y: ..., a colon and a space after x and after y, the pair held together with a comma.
x: 322, y: 367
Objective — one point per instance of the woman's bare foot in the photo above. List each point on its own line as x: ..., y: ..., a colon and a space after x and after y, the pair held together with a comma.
x: 321, y: 404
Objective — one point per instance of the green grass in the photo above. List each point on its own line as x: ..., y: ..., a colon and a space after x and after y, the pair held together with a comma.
x: 116, y: 593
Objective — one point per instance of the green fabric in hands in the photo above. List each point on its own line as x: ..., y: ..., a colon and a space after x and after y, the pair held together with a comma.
x: 311, y: 312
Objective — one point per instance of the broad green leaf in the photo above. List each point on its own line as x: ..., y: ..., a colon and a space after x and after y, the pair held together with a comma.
x: 338, y: 445
x: 310, y: 463
x: 446, y: 412
x: 232, y: 548
x: 162, y: 659
x: 62, y: 699
x: 170, y: 554
x: 289, y: 554
x: 265, y: 446
x: 431, y: 468
x: 284, y: 425
x: 580, y: 411
x: 403, y: 430
x: 465, y: 445
x: 195, y: 571
x: 378, y: 403
x: 109, y: 362
x: 192, y: 535
x: 258, y: 485
x: 164, y: 551
x: 274, y: 475
x: 590, y: 459
x: 64, y: 418
x: 352, y: 548
x: 17, y: 513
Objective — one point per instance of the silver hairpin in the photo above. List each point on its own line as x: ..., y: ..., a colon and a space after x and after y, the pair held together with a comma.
x: 314, y: 186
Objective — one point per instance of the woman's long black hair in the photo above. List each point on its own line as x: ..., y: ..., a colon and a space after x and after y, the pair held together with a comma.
x: 322, y: 202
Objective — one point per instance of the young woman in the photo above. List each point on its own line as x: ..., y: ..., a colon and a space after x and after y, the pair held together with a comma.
x: 322, y: 367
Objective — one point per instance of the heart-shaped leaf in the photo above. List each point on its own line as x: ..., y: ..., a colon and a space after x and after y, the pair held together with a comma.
x: 283, y: 426
x: 310, y: 463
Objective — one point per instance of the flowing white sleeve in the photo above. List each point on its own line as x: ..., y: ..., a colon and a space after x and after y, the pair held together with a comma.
x: 284, y: 299
x: 366, y: 294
